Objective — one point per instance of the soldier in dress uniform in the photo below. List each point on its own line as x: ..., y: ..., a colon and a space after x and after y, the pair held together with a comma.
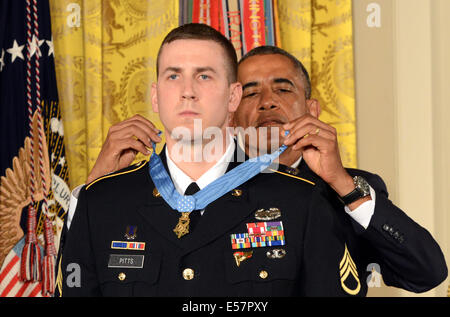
x: 226, y: 245
x: 128, y: 240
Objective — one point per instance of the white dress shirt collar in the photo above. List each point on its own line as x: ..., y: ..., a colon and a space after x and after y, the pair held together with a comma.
x: 182, y: 181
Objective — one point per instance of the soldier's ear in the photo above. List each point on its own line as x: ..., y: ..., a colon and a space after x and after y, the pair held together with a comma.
x: 235, y: 96
x: 313, y: 107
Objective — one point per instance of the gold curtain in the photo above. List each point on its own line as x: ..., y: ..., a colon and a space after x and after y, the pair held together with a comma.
x: 105, y: 63
x: 319, y: 33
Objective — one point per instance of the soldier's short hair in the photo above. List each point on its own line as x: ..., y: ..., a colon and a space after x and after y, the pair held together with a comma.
x: 197, y: 31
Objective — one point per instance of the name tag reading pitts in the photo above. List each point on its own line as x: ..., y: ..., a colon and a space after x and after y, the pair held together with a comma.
x: 126, y: 261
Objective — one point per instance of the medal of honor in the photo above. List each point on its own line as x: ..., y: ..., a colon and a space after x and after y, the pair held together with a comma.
x: 182, y: 227
x: 216, y: 189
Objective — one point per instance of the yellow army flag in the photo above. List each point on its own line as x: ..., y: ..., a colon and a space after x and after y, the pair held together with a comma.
x: 319, y: 33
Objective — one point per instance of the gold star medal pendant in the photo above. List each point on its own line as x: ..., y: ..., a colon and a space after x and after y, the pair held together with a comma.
x: 182, y: 227
x: 185, y: 205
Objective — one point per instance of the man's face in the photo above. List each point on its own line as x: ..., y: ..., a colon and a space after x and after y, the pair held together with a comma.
x: 273, y: 93
x: 192, y: 84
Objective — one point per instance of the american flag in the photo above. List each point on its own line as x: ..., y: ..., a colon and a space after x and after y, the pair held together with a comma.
x: 28, y: 86
x: 10, y: 284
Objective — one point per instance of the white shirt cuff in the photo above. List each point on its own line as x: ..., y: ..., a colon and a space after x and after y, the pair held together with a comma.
x: 363, y: 214
x: 73, y: 204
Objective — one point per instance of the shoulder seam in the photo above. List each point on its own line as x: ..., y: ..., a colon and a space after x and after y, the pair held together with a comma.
x: 302, y: 179
x: 115, y: 174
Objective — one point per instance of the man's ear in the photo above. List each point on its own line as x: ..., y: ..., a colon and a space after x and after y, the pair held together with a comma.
x: 235, y: 96
x: 154, y: 94
x: 313, y: 107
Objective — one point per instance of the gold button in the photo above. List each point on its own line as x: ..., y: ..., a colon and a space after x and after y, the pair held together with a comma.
x: 263, y: 274
x: 122, y: 276
x: 188, y: 274
x: 236, y: 192
x: 156, y: 193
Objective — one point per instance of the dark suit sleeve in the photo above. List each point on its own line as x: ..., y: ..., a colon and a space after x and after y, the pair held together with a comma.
x: 408, y: 255
x: 77, y: 253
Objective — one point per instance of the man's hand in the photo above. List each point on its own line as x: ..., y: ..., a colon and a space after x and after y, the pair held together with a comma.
x: 124, y: 140
x: 319, y: 146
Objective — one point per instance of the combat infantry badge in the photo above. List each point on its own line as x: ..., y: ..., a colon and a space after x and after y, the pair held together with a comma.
x: 265, y: 215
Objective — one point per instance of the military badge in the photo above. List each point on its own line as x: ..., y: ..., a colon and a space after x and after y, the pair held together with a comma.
x: 242, y: 256
x: 346, y: 268
x: 156, y: 193
x: 259, y: 234
x: 125, y: 245
x: 259, y: 228
x: 236, y: 192
x: 130, y: 233
x: 292, y: 170
x: 270, y: 214
x: 276, y: 253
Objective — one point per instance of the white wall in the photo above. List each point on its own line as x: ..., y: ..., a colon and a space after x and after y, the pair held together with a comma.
x: 403, y: 121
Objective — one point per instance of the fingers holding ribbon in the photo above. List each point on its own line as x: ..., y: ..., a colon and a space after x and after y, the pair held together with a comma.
x: 307, y: 130
x: 124, y: 140
x: 136, y: 127
x: 317, y: 142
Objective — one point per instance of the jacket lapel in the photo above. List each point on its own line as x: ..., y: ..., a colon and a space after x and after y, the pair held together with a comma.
x: 157, y: 213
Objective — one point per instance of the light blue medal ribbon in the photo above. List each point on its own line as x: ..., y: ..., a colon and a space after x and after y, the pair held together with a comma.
x: 185, y: 204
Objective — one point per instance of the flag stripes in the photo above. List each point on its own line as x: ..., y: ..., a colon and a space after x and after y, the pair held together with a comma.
x: 10, y: 282
x: 246, y: 23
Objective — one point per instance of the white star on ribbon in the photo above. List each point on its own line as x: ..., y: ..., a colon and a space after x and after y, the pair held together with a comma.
x: 15, y: 51
x: 62, y: 160
x: 34, y: 46
x: 50, y: 46
x: 2, y: 62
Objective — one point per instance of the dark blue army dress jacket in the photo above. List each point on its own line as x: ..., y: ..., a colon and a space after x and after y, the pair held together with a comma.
x: 278, y: 234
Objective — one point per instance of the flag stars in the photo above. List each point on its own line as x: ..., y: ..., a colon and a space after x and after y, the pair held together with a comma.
x: 34, y: 46
x: 15, y: 51
x: 50, y: 47
x: 2, y: 62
